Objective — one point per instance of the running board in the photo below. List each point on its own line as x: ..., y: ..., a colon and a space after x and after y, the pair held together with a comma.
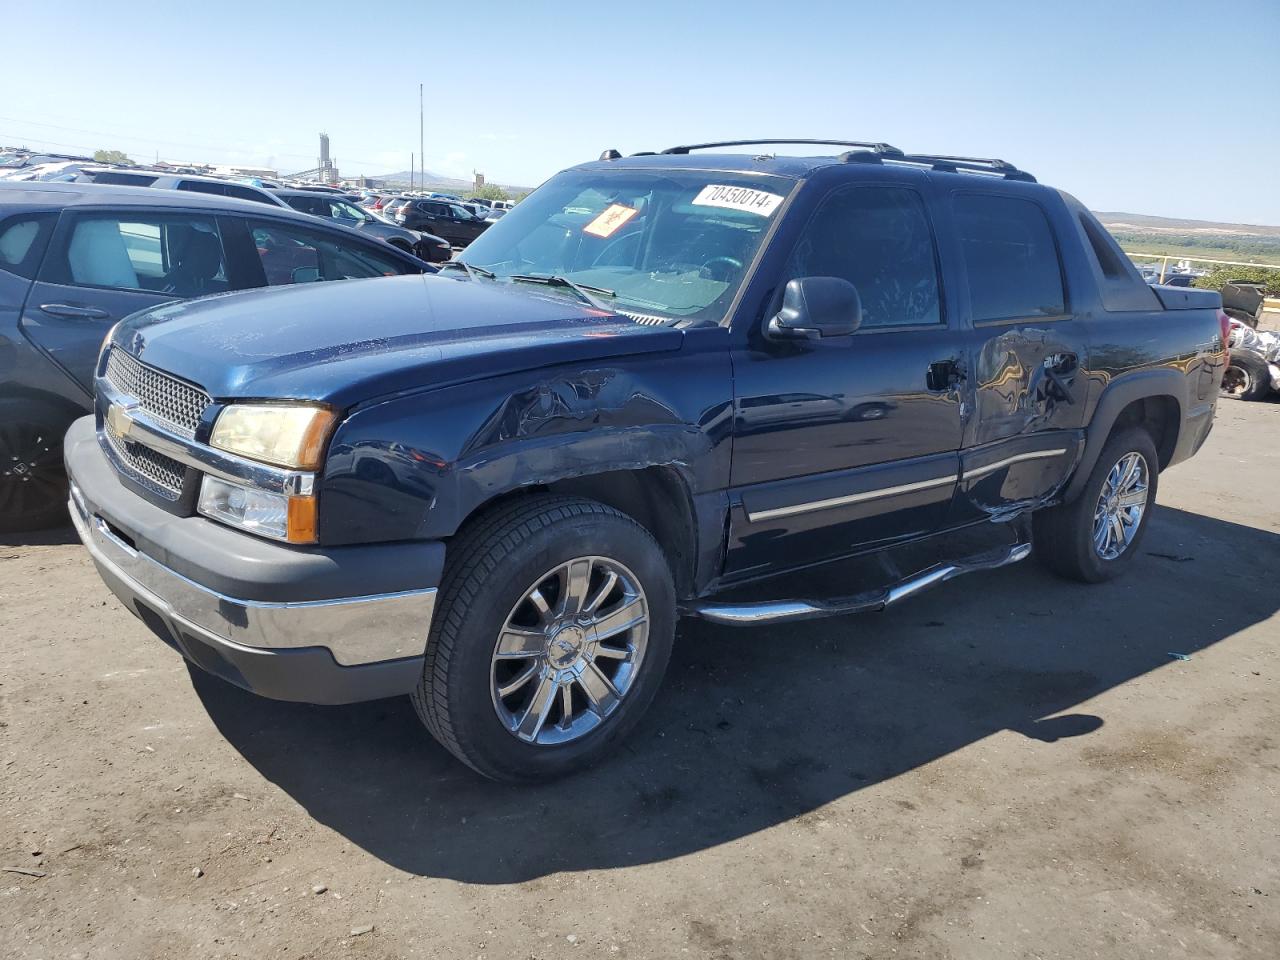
x: 787, y: 611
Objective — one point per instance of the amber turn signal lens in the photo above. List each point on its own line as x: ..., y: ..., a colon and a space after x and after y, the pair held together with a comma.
x: 303, y: 524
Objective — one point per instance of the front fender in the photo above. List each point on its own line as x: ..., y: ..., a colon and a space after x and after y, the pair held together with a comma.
x: 416, y: 466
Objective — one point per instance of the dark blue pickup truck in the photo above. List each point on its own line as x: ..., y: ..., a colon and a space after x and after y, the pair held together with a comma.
x: 654, y: 387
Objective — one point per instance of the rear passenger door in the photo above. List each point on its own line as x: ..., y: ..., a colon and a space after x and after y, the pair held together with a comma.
x: 1026, y: 352
x: 103, y: 265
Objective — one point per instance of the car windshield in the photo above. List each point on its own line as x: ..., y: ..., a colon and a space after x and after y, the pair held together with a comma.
x: 658, y: 245
x: 345, y: 211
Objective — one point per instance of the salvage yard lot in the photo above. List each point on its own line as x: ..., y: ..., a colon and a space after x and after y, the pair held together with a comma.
x: 1011, y: 766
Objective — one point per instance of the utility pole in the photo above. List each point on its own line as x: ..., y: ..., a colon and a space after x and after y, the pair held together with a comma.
x: 421, y: 149
x: 411, y: 173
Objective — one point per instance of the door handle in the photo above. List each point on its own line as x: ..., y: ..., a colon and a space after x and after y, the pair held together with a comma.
x: 72, y: 312
x: 943, y: 374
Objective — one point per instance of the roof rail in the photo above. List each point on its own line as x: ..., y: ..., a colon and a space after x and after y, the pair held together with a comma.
x: 868, y: 152
x: 883, y: 148
x: 946, y: 164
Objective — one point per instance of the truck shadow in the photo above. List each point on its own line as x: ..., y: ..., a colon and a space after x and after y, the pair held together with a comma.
x: 759, y: 726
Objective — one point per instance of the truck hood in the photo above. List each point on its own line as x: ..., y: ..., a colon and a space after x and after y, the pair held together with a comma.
x: 347, y: 342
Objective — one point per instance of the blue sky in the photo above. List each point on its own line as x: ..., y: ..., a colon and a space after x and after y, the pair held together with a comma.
x: 1168, y: 108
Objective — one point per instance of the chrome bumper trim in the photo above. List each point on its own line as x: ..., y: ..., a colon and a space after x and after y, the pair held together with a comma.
x: 356, y: 630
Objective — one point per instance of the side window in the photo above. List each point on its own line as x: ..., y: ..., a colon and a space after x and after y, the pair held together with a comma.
x: 203, y: 186
x: 293, y: 255
x: 177, y: 255
x: 1104, y: 249
x: 124, y: 179
x: 879, y: 239
x: 246, y: 193
x: 1010, y: 258
x: 22, y: 242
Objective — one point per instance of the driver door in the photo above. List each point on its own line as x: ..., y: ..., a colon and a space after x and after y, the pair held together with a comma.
x: 844, y: 443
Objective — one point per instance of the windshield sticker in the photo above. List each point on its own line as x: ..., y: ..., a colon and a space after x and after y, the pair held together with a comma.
x: 608, y: 222
x: 738, y: 198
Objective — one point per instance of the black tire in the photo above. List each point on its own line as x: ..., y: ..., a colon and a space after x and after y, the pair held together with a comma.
x: 1064, y: 534
x: 33, y: 484
x: 491, y: 565
x: 1247, y: 378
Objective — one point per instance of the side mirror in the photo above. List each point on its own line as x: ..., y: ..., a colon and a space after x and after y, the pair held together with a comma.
x: 815, y: 308
x: 305, y: 274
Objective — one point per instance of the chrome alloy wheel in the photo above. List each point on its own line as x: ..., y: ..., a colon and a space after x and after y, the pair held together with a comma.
x: 1121, y: 504
x: 569, y: 651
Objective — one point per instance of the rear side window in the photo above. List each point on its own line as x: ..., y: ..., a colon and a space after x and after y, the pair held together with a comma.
x: 22, y: 242
x: 1010, y: 258
x: 203, y: 186
x: 1109, y: 257
x: 125, y: 179
x: 880, y: 240
x: 247, y: 193
x: 293, y: 255
x: 172, y: 254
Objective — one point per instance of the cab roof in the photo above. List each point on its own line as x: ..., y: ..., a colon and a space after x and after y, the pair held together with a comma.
x: 768, y: 161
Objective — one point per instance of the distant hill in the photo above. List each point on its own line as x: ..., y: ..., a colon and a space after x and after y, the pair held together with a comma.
x: 1166, y: 236
x: 1142, y: 223
x: 434, y: 181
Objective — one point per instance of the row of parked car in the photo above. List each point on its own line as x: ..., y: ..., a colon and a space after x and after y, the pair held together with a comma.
x: 458, y: 221
x: 76, y: 257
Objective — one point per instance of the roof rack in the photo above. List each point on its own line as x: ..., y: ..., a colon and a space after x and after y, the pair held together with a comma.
x: 882, y: 148
x: 866, y: 152
x: 946, y: 164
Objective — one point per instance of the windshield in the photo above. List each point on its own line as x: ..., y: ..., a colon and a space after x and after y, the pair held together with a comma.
x: 657, y: 245
x: 344, y: 211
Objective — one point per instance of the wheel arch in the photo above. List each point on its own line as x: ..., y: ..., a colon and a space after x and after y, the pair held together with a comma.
x: 61, y: 404
x: 1153, y: 400
x: 658, y: 497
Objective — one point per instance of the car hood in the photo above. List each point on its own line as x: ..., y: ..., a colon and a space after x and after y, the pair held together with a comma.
x: 350, y: 341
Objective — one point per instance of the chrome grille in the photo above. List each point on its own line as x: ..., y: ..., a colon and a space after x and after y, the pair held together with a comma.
x: 158, y: 473
x: 173, y: 402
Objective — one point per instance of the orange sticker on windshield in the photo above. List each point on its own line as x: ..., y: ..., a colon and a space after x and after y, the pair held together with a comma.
x: 607, y: 224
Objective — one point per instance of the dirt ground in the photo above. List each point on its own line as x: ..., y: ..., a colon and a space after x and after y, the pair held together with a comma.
x: 1011, y: 766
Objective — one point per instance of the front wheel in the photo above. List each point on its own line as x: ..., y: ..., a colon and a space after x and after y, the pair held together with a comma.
x: 550, y: 637
x: 1094, y: 537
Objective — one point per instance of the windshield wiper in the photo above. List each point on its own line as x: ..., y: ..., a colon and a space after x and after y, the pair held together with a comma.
x: 584, y: 290
x: 472, y: 270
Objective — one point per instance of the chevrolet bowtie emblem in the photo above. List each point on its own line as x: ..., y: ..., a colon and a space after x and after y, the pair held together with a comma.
x: 118, y: 421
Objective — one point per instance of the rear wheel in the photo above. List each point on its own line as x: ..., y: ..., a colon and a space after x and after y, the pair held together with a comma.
x: 1094, y: 537
x: 33, y: 486
x: 1247, y: 378
x: 551, y: 634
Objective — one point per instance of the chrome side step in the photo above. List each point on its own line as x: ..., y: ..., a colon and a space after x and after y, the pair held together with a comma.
x: 785, y: 611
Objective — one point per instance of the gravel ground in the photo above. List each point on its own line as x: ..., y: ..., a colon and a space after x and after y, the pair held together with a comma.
x: 1011, y: 766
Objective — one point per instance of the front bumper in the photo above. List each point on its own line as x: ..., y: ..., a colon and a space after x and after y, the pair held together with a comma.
x: 263, y: 616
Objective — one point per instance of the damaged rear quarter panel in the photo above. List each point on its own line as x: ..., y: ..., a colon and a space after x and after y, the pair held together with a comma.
x: 416, y: 466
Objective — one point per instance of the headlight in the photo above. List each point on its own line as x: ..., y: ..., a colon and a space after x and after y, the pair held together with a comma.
x: 275, y: 515
x: 287, y: 435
